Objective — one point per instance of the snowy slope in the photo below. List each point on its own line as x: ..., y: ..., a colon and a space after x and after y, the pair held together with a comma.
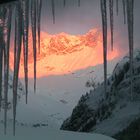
x: 40, y: 133
x: 54, y: 99
x: 37, y: 119
x: 112, y: 115
x: 41, y: 111
x: 70, y: 87
x: 57, y: 95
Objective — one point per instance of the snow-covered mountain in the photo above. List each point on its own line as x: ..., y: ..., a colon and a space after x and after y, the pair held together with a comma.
x: 110, y: 116
x: 64, y: 65
x: 64, y: 53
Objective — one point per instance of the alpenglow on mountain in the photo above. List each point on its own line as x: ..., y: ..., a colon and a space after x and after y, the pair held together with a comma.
x: 64, y: 53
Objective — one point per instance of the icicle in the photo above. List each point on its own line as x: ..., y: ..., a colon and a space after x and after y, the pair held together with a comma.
x: 64, y: 3
x: 1, y: 61
x: 25, y: 7
x: 39, y: 20
x: 1, y: 66
x: 53, y: 11
x: 33, y: 24
x: 17, y: 52
x: 111, y: 21
x: 117, y: 7
x: 130, y: 20
x: 1, y: 50
x: 7, y: 30
x: 79, y: 3
x: 104, y: 26
x: 124, y: 10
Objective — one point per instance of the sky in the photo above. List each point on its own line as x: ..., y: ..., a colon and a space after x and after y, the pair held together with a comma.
x: 79, y: 20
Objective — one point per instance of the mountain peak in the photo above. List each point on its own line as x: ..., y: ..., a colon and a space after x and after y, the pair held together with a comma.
x: 61, y: 53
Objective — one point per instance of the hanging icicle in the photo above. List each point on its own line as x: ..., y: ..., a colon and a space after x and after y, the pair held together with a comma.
x: 33, y: 24
x: 25, y: 14
x: 1, y: 49
x: 79, y: 3
x: 17, y: 53
x: 1, y: 66
x: 53, y: 10
x: 124, y: 10
x: 64, y: 3
x: 117, y: 7
x: 104, y: 27
x: 39, y: 7
x: 7, y: 32
x: 130, y: 20
x: 1, y: 60
x: 111, y: 21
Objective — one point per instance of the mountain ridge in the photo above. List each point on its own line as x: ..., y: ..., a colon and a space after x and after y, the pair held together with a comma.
x: 61, y: 53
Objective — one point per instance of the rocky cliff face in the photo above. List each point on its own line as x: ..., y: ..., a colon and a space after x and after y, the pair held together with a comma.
x: 111, y: 115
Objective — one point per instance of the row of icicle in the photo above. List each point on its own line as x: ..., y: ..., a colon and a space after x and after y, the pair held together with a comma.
x: 25, y: 9
x: 128, y: 8
x: 22, y: 13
